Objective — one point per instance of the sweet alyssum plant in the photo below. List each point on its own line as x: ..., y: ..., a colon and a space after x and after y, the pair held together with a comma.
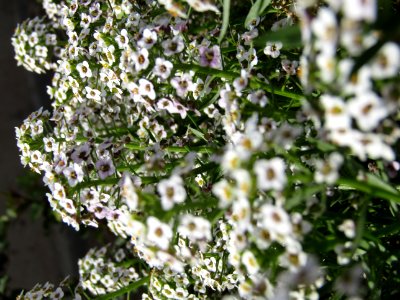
x: 236, y: 149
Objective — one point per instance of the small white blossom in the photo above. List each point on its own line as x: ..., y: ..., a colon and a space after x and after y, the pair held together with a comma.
x: 270, y: 174
x: 84, y: 70
x: 158, y: 233
x: 348, y: 227
x: 273, y: 49
x: 171, y: 191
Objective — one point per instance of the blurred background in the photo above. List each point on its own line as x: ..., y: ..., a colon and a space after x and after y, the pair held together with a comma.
x: 33, y: 249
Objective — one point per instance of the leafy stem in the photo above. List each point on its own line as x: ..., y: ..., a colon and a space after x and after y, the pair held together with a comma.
x: 125, y: 290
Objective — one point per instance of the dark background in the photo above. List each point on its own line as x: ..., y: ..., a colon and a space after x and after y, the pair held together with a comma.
x: 34, y: 251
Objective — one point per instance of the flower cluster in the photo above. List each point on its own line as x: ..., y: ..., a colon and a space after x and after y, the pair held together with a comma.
x: 228, y: 164
x: 100, y: 271
x: 35, y: 44
x: 358, y: 103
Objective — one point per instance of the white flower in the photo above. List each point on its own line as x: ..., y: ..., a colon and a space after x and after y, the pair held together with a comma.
x: 171, y: 191
x: 344, y: 253
x: 123, y: 39
x: 276, y: 220
x: 241, y: 82
x: 250, y: 262
x: 195, y: 228
x: 243, y: 182
x: 162, y: 68
x: 325, y: 28
x: 93, y: 94
x: 245, y: 290
x: 368, y: 110
x: 387, y: 61
x: 158, y: 233
x: 227, y: 97
x: 225, y: 193
x: 327, y: 171
x: 348, y: 228
x: 128, y: 193
x: 146, y: 88
x: 294, y: 257
x: 326, y: 63
x: 336, y: 112
x: 58, y: 191
x: 135, y: 229
x: 74, y: 174
x: 241, y: 215
x: 149, y: 38
x: 210, y: 57
x: 270, y: 174
x: 356, y: 83
x: 246, y: 144
x: 290, y: 67
x: 81, y: 153
x: 84, y: 69
x: 258, y: 97
x: 272, y: 49
x: 251, y: 57
x: 201, y: 6
x: 57, y: 294
x: 68, y: 205
x: 141, y: 59
x: 360, y: 10
x: 373, y: 146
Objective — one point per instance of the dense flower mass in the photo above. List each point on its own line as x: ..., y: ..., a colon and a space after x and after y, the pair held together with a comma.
x: 233, y: 156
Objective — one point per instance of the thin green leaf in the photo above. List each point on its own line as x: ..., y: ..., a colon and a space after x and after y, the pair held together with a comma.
x: 367, y: 55
x: 256, y: 10
x: 290, y: 37
x: 129, y: 288
x: 372, y: 186
x: 225, y: 20
x: 379, y: 183
x: 254, y: 82
x: 198, y: 133
x: 3, y: 283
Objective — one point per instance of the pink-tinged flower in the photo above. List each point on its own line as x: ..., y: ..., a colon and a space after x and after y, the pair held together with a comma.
x: 273, y: 49
x: 178, y: 108
x: 105, y: 168
x: 81, y: 153
x: 74, y: 174
x: 210, y: 57
x: 68, y: 205
x: 173, y: 46
x: 183, y: 84
x: 290, y: 67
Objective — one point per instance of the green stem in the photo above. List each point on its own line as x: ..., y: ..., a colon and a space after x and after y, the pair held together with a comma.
x: 254, y: 82
x: 174, y: 149
x: 368, y: 188
x: 129, y: 288
x: 360, y: 227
